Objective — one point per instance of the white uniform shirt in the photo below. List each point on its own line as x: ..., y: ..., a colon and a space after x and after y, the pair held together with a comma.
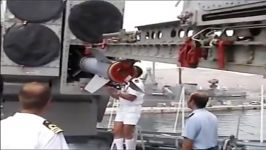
x: 201, y: 128
x: 29, y: 131
x: 139, y: 95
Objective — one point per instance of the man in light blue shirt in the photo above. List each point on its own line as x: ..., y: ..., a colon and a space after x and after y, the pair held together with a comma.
x: 201, y: 126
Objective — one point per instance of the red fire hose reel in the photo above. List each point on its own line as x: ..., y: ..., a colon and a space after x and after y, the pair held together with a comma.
x: 190, y: 54
x: 221, y: 45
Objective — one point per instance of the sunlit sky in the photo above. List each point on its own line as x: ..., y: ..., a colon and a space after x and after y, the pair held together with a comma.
x: 148, y: 12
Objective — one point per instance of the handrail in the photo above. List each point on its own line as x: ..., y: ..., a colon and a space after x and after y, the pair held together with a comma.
x: 250, y: 144
x: 181, y: 101
x: 262, y: 111
x: 110, y: 121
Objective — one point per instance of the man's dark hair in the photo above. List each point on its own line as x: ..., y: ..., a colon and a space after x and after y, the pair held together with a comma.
x: 34, y: 95
x: 200, y: 99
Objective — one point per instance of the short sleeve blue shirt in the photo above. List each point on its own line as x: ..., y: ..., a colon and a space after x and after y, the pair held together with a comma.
x: 201, y: 128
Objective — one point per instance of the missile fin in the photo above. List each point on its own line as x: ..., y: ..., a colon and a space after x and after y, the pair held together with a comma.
x: 95, y: 84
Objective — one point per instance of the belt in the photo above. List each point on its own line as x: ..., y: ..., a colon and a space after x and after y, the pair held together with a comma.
x: 211, y: 148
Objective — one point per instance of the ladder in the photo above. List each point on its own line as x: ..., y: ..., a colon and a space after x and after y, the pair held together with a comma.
x: 114, y: 107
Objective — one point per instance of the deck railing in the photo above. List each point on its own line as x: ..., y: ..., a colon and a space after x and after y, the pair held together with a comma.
x: 180, y: 107
x: 261, y: 113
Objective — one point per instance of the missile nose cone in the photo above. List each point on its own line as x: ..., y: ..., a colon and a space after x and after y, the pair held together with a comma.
x: 120, y: 72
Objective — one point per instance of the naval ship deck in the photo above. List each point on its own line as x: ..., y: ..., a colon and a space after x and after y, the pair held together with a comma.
x: 154, y: 141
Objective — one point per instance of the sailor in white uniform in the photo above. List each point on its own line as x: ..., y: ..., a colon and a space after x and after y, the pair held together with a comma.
x: 128, y: 113
x: 201, y: 125
x: 27, y: 129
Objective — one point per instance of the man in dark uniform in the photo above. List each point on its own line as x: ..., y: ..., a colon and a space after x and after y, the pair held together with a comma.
x: 201, y: 126
x: 27, y: 129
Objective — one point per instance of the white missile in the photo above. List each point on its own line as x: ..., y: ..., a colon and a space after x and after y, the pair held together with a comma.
x: 106, y: 70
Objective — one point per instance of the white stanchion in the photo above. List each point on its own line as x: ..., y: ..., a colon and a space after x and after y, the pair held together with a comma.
x: 262, y: 113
